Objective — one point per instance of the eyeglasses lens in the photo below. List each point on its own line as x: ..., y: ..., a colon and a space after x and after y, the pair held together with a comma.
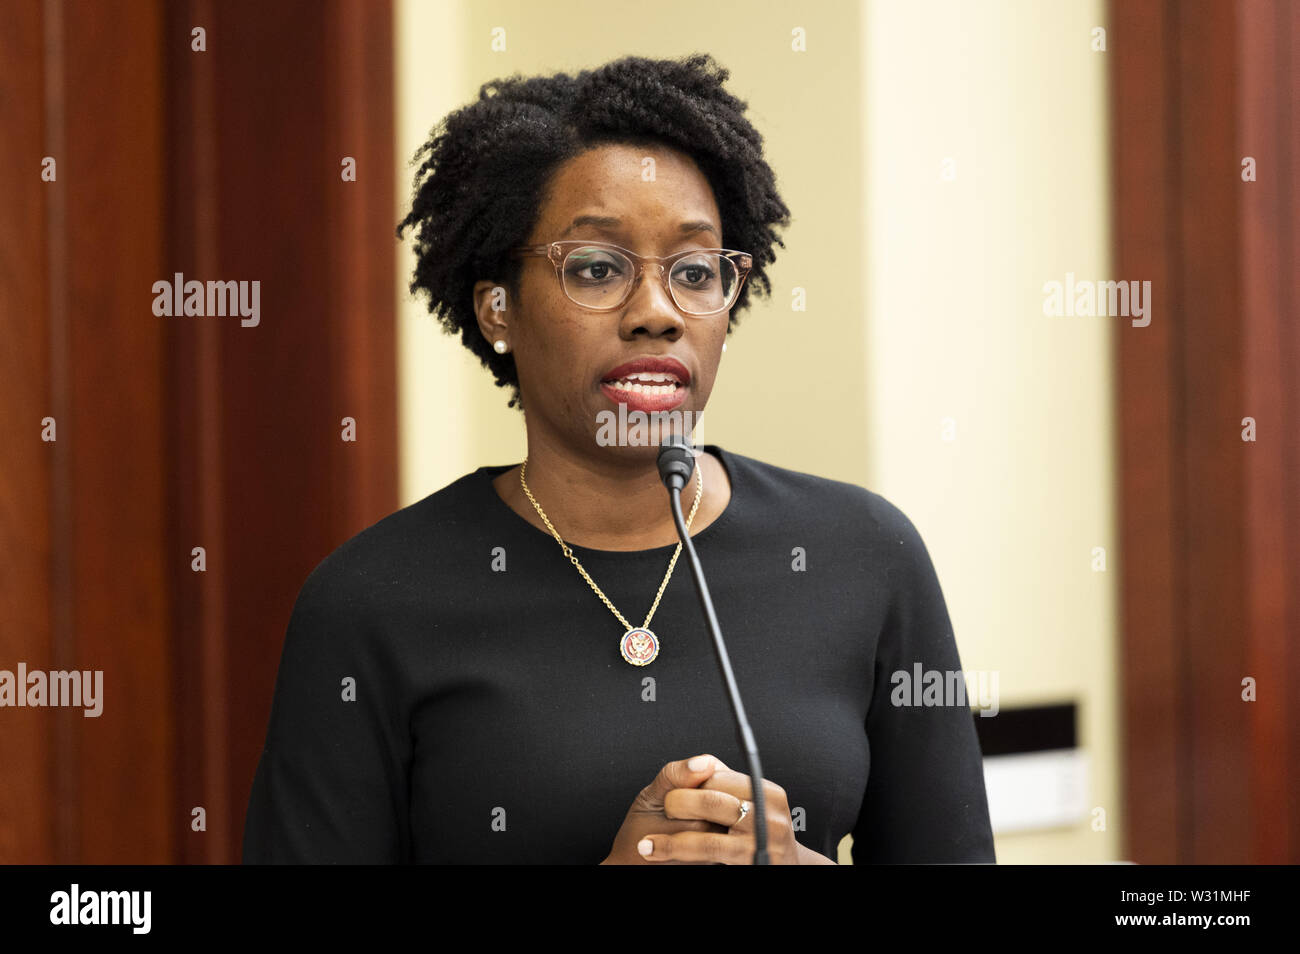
x: 701, y: 284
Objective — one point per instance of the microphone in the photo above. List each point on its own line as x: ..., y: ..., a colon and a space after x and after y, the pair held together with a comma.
x: 676, y: 464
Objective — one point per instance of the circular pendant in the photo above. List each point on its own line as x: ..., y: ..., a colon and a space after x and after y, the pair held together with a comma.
x: 639, y: 646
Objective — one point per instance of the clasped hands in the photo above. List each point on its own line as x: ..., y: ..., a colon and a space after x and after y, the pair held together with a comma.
x: 690, y: 814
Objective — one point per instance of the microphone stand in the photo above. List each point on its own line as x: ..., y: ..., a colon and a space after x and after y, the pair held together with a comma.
x: 676, y: 463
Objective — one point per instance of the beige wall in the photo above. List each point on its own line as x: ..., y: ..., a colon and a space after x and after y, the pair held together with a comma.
x: 923, y: 297
x: 1012, y: 506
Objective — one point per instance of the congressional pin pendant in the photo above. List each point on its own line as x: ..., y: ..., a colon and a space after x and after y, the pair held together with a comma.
x: 639, y: 647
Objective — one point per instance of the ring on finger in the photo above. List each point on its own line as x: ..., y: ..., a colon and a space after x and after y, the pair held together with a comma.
x: 744, y: 812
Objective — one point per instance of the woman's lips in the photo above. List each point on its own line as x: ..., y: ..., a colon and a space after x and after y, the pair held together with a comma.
x: 653, y: 365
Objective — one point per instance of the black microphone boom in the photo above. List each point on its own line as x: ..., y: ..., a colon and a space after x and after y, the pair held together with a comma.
x: 676, y: 464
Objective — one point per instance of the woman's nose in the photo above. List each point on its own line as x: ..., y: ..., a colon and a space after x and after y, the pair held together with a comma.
x: 651, y: 305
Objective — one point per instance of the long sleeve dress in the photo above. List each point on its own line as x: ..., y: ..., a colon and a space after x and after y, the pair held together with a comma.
x: 451, y: 690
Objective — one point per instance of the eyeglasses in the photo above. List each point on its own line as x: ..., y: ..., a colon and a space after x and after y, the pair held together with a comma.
x: 601, y: 277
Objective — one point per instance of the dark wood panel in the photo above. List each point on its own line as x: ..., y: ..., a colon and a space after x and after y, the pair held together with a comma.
x: 196, y: 499
x: 1289, y: 89
x: 363, y: 216
x: 1209, y: 521
x: 112, y: 175
x: 1263, y: 221
x: 81, y: 255
x: 27, y: 815
x: 1210, y: 337
x: 176, y: 432
x: 260, y: 125
x: 1154, y: 761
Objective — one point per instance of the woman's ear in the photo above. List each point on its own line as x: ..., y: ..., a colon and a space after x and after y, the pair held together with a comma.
x: 490, y: 308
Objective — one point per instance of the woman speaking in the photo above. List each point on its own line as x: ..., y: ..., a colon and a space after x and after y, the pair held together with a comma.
x: 514, y: 669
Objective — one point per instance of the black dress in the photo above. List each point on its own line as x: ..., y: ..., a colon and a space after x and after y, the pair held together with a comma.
x: 451, y: 690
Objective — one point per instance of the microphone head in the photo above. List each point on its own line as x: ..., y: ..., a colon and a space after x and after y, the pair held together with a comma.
x: 676, y: 461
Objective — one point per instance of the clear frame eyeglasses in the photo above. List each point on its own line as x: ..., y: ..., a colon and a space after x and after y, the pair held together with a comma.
x: 599, y: 276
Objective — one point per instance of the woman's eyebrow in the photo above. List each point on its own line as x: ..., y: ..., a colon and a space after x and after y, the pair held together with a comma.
x: 610, y: 223
x: 687, y: 228
x: 605, y: 223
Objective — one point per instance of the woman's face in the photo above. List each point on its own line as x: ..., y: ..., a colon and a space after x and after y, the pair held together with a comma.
x: 563, y: 352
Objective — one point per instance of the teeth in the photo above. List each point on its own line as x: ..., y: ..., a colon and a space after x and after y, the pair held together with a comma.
x: 647, y: 382
x: 637, y: 388
x: 650, y: 377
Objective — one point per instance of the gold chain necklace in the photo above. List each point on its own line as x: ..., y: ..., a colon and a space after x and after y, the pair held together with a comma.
x: 639, y: 646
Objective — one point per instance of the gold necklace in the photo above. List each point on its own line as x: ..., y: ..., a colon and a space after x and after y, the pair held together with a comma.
x: 639, y: 646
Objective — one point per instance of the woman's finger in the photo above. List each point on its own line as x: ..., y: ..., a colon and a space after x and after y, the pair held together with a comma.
x: 727, y: 780
x: 694, y: 847
x: 720, y: 807
x: 738, y: 785
x: 684, y: 773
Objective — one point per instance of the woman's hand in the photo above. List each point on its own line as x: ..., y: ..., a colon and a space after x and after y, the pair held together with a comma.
x: 717, y: 800
x: 647, y: 811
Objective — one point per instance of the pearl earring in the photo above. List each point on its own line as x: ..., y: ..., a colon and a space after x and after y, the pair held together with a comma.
x: 724, y: 346
x: 500, y: 346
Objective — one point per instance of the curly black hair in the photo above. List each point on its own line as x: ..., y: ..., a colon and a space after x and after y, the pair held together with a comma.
x: 487, y: 165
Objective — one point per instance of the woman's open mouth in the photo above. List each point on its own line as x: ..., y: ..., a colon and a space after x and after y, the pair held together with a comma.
x: 646, y: 391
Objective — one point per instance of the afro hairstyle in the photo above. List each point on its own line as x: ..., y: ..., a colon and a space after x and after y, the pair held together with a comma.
x: 486, y: 166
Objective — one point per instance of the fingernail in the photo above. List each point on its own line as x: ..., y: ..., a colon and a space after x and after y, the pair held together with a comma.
x: 646, y: 847
x: 699, y: 763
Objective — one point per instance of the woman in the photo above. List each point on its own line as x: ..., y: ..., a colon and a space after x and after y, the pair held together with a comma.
x: 510, y: 670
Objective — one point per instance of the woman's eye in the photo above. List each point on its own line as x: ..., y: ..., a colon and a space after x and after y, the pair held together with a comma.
x: 693, y: 273
x: 594, y: 269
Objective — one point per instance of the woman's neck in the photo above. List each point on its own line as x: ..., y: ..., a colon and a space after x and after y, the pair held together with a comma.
x: 611, y: 503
